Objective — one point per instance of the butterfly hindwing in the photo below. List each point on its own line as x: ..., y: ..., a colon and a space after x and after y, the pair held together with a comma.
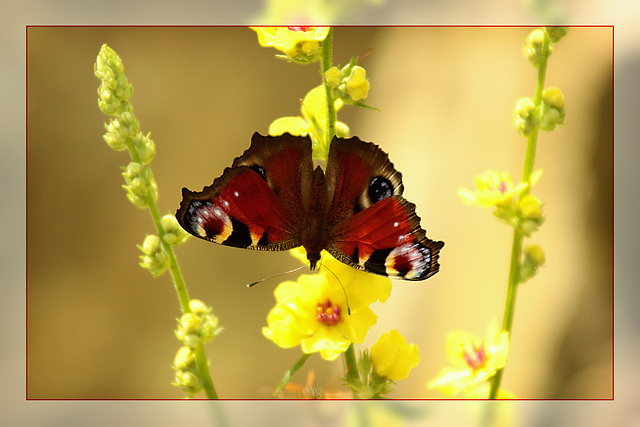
x: 374, y: 227
x: 258, y: 202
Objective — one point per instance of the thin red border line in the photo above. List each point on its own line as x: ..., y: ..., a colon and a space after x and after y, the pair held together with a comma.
x: 613, y: 203
x: 334, y: 26
x: 339, y: 26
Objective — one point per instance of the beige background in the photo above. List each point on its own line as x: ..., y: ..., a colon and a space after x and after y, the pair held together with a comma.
x: 101, y: 327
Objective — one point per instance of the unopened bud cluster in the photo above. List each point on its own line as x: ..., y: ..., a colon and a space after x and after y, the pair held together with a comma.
x: 372, y: 385
x: 349, y: 84
x: 123, y: 130
x: 198, y: 326
x: 550, y: 113
x: 140, y: 185
x: 154, y: 257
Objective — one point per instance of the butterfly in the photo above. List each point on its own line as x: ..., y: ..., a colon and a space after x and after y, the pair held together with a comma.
x: 273, y: 198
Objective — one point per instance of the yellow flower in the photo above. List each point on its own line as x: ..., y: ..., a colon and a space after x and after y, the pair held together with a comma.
x: 361, y: 287
x: 357, y: 84
x: 313, y: 313
x: 312, y: 122
x: 475, y: 360
x: 299, y: 44
x: 392, y: 357
x: 495, y: 188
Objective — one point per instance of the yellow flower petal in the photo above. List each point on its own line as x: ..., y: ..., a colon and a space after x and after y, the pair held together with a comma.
x: 292, y: 125
x: 393, y: 357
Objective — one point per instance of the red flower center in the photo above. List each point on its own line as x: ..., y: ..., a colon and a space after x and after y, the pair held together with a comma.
x: 328, y: 313
x: 474, y: 355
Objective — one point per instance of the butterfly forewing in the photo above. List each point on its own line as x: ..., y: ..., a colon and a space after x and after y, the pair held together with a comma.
x: 257, y: 203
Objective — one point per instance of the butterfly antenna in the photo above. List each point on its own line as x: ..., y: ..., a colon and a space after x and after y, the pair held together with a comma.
x: 346, y: 297
x: 275, y: 275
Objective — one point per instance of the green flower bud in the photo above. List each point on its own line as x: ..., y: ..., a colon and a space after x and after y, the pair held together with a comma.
x: 556, y: 33
x: 334, y: 77
x: 553, y: 112
x: 198, y: 307
x: 530, y: 207
x: 553, y: 97
x: 342, y: 130
x: 190, y: 340
x: 129, y: 123
x: 156, y: 263
x: 533, y: 259
x: 107, y: 108
x: 188, y: 381
x: 209, y: 328
x: 114, y: 138
x: 533, y: 47
x: 524, y: 116
x: 191, y: 323
x: 151, y: 244
x: 173, y: 233
x: 185, y: 359
x: 145, y: 147
x: 137, y: 201
x: 140, y: 184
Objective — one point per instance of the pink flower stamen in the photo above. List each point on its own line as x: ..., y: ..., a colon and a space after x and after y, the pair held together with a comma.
x: 299, y: 28
x: 328, y: 313
x: 474, y: 355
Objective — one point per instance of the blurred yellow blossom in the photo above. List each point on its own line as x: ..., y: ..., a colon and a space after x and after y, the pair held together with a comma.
x: 475, y: 360
x: 494, y: 188
x: 299, y: 44
x: 392, y: 357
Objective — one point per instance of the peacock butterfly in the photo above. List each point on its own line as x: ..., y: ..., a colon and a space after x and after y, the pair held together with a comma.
x: 272, y: 198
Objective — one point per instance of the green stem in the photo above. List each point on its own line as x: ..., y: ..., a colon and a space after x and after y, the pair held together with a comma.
x: 205, y: 375
x: 183, y: 296
x: 518, y: 236
x: 325, y: 63
x: 351, y: 367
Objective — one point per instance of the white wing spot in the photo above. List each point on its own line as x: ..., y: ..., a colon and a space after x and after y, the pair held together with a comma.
x: 235, y: 193
x: 395, y: 224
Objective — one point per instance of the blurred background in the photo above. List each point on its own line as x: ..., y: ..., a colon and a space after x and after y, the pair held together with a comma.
x: 100, y: 327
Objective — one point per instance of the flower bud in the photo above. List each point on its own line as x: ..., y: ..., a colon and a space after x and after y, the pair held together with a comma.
x: 173, y: 233
x: 114, y: 138
x: 188, y: 381
x: 533, y: 259
x: 524, y: 116
x: 334, y: 76
x: 342, y: 130
x: 556, y: 33
x: 553, y: 112
x: 191, y: 323
x: 533, y: 47
x: 151, y: 244
x: 530, y: 207
x: 357, y: 84
x: 198, y: 307
x: 185, y: 359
